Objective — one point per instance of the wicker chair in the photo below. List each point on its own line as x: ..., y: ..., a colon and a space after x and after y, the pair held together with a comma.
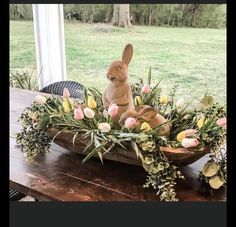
x: 15, y: 195
x: 76, y: 91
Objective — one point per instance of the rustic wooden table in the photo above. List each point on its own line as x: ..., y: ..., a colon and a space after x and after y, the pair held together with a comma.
x: 61, y: 176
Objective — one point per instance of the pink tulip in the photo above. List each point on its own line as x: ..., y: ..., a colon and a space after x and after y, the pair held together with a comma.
x: 190, y: 132
x: 146, y: 89
x: 222, y: 122
x: 66, y: 93
x: 78, y: 114
x: 130, y: 122
x: 188, y: 143
x: 113, y: 110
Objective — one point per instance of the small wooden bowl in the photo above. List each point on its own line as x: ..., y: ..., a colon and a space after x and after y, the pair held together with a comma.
x: 179, y: 156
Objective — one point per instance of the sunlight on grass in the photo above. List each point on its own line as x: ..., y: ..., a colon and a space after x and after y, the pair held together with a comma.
x: 194, y: 59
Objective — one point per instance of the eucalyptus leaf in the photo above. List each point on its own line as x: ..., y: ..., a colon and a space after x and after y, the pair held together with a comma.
x: 148, y: 160
x: 208, y: 100
x: 154, y: 168
x: 147, y: 167
x: 216, y: 182
x: 160, y: 166
x: 210, y: 169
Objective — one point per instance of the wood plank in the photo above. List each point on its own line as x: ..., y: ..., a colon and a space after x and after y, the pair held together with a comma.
x: 46, y: 184
x: 109, y: 176
x: 124, y: 179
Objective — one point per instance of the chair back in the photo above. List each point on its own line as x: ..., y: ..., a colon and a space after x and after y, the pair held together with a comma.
x: 76, y: 89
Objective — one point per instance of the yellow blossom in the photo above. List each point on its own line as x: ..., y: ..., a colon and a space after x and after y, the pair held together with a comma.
x: 181, y: 136
x: 137, y: 101
x: 71, y: 103
x: 201, y: 122
x: 91, y: 102
x: 145, y: 126
x: 164, y: 99
x: 67, y: 105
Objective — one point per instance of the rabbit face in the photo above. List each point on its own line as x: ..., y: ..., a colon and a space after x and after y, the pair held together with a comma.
x: 117, y: 72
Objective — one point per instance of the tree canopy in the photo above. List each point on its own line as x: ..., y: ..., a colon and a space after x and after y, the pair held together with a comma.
x: 173, y: 15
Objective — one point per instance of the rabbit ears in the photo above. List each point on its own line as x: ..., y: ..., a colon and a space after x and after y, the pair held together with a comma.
x: 127, y: 54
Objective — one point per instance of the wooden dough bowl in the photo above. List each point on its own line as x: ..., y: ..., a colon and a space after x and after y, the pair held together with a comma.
x: 179, y: 156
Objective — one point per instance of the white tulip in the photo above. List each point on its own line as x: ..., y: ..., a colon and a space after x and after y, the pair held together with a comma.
x: 89, y: 113
x: 188, y: 143
x: 104, y: 127
x: 180, y: 103
x: 105, y: 113
x: 40, y: 99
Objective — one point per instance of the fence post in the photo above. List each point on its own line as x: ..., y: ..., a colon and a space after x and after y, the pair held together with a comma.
x: 50, y: 44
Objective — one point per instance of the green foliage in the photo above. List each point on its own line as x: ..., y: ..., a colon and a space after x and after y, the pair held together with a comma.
x: 33, y: 142
x: 164, y: 181
x: 214, y: 172
x: 24, y: 79
x: 20, y: 12
x: 175, y: 15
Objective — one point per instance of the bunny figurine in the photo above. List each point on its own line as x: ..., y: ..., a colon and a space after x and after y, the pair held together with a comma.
x: 118, y: 90
x: 145, y: 113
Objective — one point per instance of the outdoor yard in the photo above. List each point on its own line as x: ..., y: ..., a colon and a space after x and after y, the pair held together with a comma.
x: 193, y: 58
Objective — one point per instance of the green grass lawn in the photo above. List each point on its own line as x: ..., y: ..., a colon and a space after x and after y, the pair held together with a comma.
x: 194, y: 59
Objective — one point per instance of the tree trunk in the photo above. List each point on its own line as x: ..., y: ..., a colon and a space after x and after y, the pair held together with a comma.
x: 91, y: 19
x: 108, y: 13
x: 115, y: 17
x: 182, y: 15
x: 196, y: 6
x: 150, y: 15
x: 121, y: 15
x: 171, y: 11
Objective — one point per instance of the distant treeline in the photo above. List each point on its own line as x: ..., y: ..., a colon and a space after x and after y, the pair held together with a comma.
x: 175, y: 15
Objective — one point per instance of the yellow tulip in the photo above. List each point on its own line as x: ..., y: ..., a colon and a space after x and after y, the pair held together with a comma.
x: 91, y: 102
x: 145, y: 127
x: 66, y: 106
x: 71, y: 103
x: 137, y: 101
x: 181, y: 136
x: 164, y: 99
x: 201, y: 122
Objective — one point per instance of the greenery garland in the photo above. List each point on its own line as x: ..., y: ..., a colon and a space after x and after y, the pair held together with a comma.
x: 207, y: 121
